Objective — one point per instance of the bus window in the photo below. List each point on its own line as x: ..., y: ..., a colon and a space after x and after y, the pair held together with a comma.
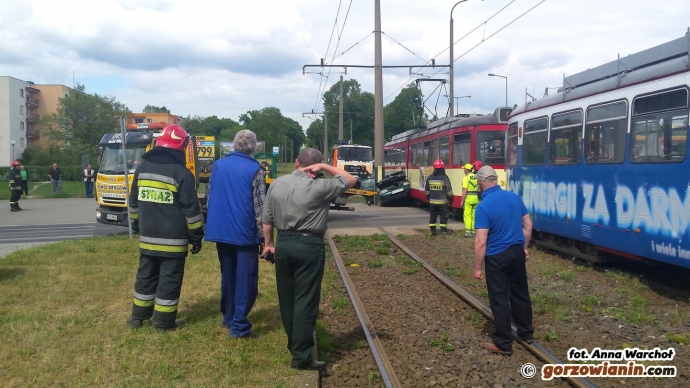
x: 660, y: 136
x: 566, y: 138
x: 534, y: 141
x: 490, y: 148
x: 512, y: 150
x: 605, y: 133
x: 462, y: 146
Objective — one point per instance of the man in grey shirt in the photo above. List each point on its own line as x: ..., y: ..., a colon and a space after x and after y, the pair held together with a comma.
x: 297, y: 205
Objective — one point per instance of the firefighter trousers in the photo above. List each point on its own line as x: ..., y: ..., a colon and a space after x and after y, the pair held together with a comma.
x: 468, y: 212
x: 15, y: 195
x: 157, y: 289
x: 438, y: 210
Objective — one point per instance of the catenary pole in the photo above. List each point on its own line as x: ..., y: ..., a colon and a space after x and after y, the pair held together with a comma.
x: 378, y: 93
x: 340, y: 114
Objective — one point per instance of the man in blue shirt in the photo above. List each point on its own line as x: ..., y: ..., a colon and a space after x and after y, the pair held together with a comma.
x: 504, y: 229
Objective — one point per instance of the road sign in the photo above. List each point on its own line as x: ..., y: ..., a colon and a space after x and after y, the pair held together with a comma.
x: 276, y: 150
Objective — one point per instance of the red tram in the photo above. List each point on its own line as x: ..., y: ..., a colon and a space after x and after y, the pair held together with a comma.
x: 456, y: 141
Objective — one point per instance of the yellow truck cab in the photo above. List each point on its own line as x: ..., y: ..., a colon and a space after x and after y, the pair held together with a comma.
x: 111, y: 193
x: 358, y: 160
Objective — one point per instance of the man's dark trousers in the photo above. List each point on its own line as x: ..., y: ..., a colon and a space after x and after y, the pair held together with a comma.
x: 88, y: 186
x: 299, y: 271
x: 506, y: 280
x: 438, y: 210
x: 25, y: 187
x: 157, y: 289
x: 239, y: 286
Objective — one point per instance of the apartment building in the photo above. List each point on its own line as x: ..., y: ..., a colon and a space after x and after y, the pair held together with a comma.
x: 22, y: 104
x: 139, y: 118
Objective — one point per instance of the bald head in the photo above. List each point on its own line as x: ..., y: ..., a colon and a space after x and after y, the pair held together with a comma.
x: 309, y: 156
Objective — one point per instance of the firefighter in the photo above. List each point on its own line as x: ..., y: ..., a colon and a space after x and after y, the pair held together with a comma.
x: 440, y: 194
x: 165, y: 212
x: 470, y: 196
x: 15, y: 178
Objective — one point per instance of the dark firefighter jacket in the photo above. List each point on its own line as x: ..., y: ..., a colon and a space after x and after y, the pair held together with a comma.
x: 164, y: 205
x: 15, y: 178
x: 438, y: 188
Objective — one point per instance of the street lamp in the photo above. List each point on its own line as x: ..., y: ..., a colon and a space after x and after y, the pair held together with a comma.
x: 456, y: 101
x: 506, y: 78
x: 12, y: 142
x: 450, y: 100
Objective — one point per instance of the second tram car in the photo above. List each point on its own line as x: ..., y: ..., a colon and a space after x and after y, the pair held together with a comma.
x: 602, y: 166
x: 456, y: 141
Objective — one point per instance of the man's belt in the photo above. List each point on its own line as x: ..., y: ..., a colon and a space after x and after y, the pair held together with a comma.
x: 296, y: 233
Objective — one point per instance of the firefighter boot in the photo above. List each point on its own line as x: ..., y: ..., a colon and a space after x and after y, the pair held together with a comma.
x: 433, y: 230
x: 177, y: 325
x: 14, y: 207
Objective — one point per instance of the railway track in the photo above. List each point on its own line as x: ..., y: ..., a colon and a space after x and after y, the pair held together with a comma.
x: 386, y: 369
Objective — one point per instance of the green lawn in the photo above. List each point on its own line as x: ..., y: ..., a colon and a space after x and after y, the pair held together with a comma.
x: 42, y: 190
x: 63, y: 312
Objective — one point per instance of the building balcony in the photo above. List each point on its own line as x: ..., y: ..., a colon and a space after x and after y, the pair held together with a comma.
x: 32, y: 117
x: 33, y: 133
x: 32, y: 102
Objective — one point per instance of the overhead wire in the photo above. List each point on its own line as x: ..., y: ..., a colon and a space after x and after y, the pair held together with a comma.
x: 330, y: 40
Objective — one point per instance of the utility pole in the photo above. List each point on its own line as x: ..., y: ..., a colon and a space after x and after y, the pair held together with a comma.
x: 340, y: 114
x: 378, y: 92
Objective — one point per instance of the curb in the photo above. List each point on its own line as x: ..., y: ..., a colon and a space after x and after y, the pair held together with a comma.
x: 309, y: 378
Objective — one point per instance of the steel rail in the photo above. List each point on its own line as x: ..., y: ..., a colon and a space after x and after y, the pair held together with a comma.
x: 387, y: 373
x: 535, y: 348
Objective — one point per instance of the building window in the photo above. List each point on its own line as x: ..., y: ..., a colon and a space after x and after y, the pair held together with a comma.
x: 148, y: 121
x: 21, y: 125
x: 605, y: 133
x: 21, y: 109
x: 21, y: 93
x: 21, y: 142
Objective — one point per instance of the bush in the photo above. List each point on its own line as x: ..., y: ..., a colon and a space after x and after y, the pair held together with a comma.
x: 40, y: 173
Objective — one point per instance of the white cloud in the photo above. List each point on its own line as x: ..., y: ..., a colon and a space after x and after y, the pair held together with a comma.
x: 224, y: 58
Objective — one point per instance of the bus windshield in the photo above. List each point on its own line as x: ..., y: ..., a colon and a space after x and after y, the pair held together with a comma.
x: 113, y: 162
x: 360, y: 154
x: 491, y: 148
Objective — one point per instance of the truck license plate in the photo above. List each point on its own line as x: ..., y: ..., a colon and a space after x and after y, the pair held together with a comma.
x: 112, y: 217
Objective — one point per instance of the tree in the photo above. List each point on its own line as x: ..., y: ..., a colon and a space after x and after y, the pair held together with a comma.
x: 156, y: 109
x: 276, y: 130
x: 223, y: 129
x: 82, y: 118
x: 358, y: 108
x: 404, y: 112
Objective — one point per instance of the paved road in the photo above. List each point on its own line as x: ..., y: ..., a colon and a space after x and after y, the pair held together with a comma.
x: 49, y: 220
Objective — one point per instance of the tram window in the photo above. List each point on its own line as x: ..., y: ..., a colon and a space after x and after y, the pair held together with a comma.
x: 512, y: 149
x: 566, y: 138
x: 490, y: 147
x: 433, y: 152
x: 534, y: 141
x: 658, y: 137
x: 444, y: 150
x: 462, y: 146
x: 413, y: 154
x: 605, y: 133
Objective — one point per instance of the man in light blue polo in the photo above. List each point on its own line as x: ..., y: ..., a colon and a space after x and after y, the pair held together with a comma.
x: 504, y: 229
x: 235, y: 203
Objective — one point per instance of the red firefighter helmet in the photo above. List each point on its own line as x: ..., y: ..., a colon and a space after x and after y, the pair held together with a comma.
x: 439, y: 164
x: 477, y: 165
x: 16, y: 163
x: 173, y: 136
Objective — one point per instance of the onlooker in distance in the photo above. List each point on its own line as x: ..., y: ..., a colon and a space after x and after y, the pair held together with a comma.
x: 15, y: 186
x: 440, y: 193
x: 55, y: 176
x: 297, y: 205
x: 165, y: 211
x: 25, y: 179
x: 233, y: 222
x: 504, y: 229
x: 89, y: 175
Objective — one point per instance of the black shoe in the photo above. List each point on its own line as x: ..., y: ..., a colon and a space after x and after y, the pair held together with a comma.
x: 178, y: 325
x: 14, y: 209
x: 314, y: 364
x: 134, y: 323
x: 250, y: 335
x: 18, y: 208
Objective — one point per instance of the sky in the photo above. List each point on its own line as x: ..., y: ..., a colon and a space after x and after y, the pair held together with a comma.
x: 209, y: 57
